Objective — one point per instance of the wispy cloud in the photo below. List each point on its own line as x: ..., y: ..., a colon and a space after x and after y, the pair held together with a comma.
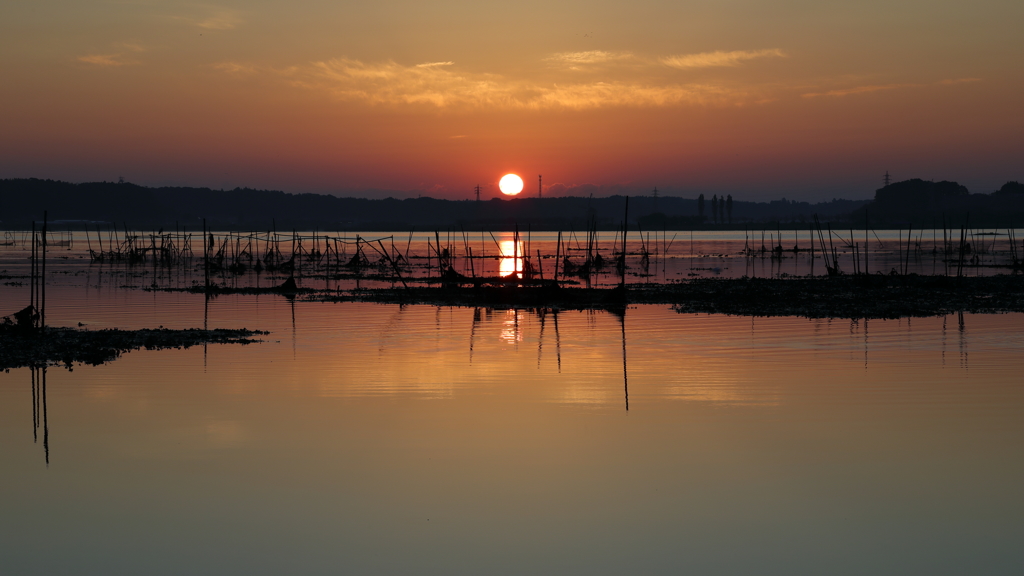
x: 447, y: 87
x: 443, y: 85
x: 588, y: 57
x: 120, y: 58
x: 235, y: 67
x: 102, y: 59
x: 869, y: 88
x: 719, y: 58
x: 210, y: 17
x: 859, y: 90
x: 218, y: 18
x: 952, y: 81
x: 392, y: 83
x: 625, y: 94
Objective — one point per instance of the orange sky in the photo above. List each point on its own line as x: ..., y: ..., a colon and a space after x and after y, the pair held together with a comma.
x: 759, y: 100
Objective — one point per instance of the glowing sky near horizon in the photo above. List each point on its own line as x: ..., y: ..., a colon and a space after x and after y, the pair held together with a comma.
x: 760, y: 100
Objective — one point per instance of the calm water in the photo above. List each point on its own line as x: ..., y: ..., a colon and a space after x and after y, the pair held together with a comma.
x: 367, y: 439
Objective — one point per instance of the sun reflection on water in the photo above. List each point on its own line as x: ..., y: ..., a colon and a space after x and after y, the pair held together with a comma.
x: 510, y: 331
x: 511, y: 258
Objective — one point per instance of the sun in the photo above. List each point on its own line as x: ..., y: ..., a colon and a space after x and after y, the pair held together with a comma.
x: 510, y: 184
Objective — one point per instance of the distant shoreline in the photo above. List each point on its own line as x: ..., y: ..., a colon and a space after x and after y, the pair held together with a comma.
x: 107, y: 205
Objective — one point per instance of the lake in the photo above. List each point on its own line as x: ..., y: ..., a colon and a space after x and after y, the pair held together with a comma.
x: 366, y: 438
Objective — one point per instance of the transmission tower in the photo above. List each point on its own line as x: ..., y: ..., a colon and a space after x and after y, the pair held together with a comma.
x: 540, y: 186
x: 477, y: 190
x: 887, y: 179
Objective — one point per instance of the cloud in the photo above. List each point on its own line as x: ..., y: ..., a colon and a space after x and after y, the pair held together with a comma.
x: 624, y: 94
x: 210, y: 17
x: 588, y: 57
x: 115, y: 59
x: 952, y: 81
x: 433, y: 64
x: 867, y: 89
x: 718, y: 58
x: 101, y: 59
x: 235, y: 68
x: 442, y: 86
x: 392, y: 83
x: 859, y: 90
x: 219, y: 19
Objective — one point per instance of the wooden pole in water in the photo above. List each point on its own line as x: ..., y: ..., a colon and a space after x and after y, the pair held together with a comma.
x: 906, y: 266
x: 867, y: 247
x: 832, y: 248
x: 856, y: 253
x: 428, y: 257
x: 960, y: 257
x: 32, y: 281
x: 900, y: 248
x: 515, y: 253
x: 42, y: 279
x: 810, y: 232
x: 206, y: 258
x: 529, y: 243
x: 558, y: 254
x: 384, y: 253
x: 945, y: 243
x: 625, y: 232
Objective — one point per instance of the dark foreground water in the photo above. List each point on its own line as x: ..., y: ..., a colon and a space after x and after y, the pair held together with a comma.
x: 377, y: 439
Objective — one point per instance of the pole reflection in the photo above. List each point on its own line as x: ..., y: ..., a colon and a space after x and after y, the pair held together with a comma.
x: 39, y: 412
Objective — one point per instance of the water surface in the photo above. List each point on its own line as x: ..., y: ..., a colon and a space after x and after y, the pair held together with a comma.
x: 365, y: 438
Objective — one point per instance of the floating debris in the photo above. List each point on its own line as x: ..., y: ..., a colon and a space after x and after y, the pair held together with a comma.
x: 69, y: 346
x: 862, y: 296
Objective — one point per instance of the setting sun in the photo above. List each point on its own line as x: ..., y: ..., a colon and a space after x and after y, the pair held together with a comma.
x: 510, y: 184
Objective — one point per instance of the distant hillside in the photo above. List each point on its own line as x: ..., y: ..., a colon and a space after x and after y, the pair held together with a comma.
x: 105, y: 203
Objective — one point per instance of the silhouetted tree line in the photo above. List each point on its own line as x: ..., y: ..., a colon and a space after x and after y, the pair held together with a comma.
x: 1012, y: 187
x: 926, y: 203
x: 139, y: 207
